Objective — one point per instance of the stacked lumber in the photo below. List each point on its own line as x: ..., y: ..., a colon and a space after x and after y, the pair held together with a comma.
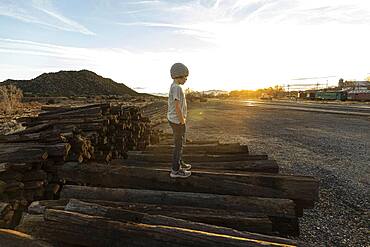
x: 95, y: 132
x: 156, y: 112
x: 81, y: 223
x: 218, y: 169
x: 21, y: 180
x: 203, y: 155
x: 293, y: 192
x: 29, y: 159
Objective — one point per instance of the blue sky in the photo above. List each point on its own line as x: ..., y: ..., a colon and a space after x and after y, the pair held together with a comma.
x: 227, y: 44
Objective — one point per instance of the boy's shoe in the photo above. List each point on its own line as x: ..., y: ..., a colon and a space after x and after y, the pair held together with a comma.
x: 181, y: 173
x: 185, y: 166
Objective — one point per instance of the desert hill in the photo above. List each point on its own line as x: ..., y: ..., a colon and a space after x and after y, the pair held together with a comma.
x: 71, y: 83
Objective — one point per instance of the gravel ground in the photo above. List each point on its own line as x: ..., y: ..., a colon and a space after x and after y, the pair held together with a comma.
x: 333, y: 147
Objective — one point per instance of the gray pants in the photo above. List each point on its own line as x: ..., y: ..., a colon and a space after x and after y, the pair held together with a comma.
x: 179, y: 138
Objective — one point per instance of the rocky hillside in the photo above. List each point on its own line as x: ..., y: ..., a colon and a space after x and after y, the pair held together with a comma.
x: 71, y: 83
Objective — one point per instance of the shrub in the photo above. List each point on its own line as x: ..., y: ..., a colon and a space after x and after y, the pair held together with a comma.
x: 10, y: 99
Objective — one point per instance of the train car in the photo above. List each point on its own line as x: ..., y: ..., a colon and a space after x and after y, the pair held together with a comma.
x: 359, y: 95
x: 301, y: 95
x: 310, y: 95
x: 331, y: 95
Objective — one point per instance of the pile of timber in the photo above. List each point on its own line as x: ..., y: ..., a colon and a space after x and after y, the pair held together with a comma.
x: 29, y: 159
x: 218, y: 169
x: 280, y: 198
x: 21, y: 180
x: 157, y: 113
x: 71, y: 222
x: 96, y: 132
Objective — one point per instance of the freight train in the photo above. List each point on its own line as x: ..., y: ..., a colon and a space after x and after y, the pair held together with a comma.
x: 355, y: 95
x: 331, y: 95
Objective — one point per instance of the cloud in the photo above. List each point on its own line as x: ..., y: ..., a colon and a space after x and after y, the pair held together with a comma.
x: 190, y: 29
x: 144, y: 2
x: 41, y: 13
x: 67, y: 24
x: 43, y: 49
x: 314, y: 12
x: 153, y: 24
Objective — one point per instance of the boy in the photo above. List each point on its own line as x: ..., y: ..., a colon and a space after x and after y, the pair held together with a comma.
x: 176, y: 115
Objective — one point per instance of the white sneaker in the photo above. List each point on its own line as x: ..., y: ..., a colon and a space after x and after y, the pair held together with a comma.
x: 185, y: 166
x: 181, y: 173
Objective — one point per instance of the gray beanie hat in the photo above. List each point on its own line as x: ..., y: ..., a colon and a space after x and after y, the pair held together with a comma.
x: 179, y: 70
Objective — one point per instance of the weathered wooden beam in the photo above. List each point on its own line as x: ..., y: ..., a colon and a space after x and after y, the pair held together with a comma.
x: 11, y: 238
x: 2, y: 186
x: 79, y: 111
x: 13, y: 185
x: 267, y: 166
x: 97, y: 231
x: 46, y: 136
x: 124, y: 215
x: 230, y: 148
x: 39, y: 207
x: 11, y: 175
x: 21, y: 167
x: 56, y: 149
x: 242, y: 221
x: 63, y: 109
x: 34, y: 129
x: 246, y: 184
x: 268, y: 206
x: 4, y: 208
x: 35, y: 121
x: 20, y: 154
x: 197, y: 157
x: 34, y: 175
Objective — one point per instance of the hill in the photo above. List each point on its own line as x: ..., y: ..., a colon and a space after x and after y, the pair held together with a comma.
x: 71, y: 83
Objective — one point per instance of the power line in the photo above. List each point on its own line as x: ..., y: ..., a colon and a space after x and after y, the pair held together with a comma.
x: 302, y: 85
x: 310, y: 78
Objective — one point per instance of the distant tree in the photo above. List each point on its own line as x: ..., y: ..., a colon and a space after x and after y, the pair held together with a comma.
x: 341, y: 83
x: 188, y: 91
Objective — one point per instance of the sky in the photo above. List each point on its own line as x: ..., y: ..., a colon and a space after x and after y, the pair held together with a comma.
x: 226, y: 44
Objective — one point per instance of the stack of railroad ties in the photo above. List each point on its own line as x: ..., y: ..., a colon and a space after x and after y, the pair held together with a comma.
x: 233, y: 198
x: 29, y: 159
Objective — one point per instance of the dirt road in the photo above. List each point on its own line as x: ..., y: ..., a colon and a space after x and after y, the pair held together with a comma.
x: 333, y: 147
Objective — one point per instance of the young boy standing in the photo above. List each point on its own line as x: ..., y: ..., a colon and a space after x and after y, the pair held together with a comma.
x: 176, y: 115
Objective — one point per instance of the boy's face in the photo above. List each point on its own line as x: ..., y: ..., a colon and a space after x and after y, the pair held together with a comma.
x: 181, y: 80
